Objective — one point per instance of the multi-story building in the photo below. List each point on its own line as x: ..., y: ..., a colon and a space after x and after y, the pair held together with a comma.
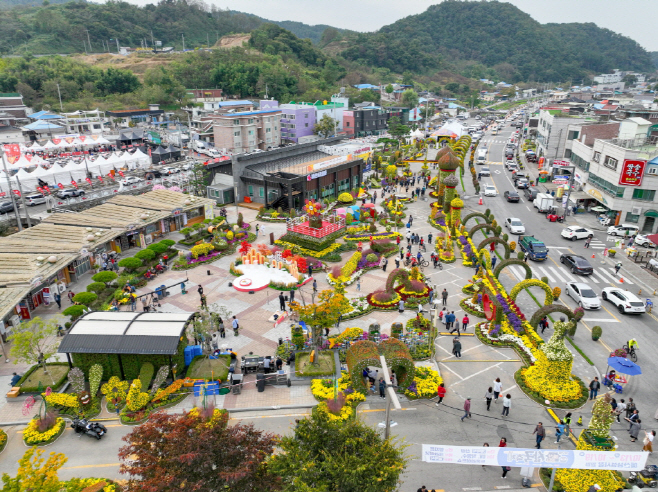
x: 12, y: 104
x: 620, y: 173
x: 609, y: 78
x: 205, y: 95
x: 553, y: 132
x: 247, y: 131
x: 297, y: 120
x: 218, y: 106
x: 364, y: 121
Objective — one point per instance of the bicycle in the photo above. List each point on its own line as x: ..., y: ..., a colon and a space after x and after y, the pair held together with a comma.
x: 632, y: 352
x: 648, y: 305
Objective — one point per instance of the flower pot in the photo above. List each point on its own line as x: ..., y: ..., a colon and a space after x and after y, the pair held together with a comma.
x: 612, y: 254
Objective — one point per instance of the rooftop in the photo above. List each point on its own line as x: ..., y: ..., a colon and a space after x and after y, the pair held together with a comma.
x: 249, y: 113
x: 30, y: 270
x: 44, y: 239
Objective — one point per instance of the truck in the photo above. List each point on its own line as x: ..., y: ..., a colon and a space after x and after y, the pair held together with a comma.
x: 543, y: 203
x: 482, y: 156
x: 537, y: 251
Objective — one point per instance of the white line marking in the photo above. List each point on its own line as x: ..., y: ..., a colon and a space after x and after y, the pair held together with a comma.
x: 545, y: 273
x: 483, y: 370
x: 556, y: 272
x: 601, y: 320
x: 447, y: 366
x: 598, y: 274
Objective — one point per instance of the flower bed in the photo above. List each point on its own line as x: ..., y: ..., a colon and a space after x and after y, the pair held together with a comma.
x: 360, y: 306
x: 308, y: 252
x: 323, y: 391
x: 32, y: 436
x: 372, y: 236
x: 409, y: 295
x: 468, y: 306
x: 3, y: 440
x: 425, y: 383
x: 384, y: 306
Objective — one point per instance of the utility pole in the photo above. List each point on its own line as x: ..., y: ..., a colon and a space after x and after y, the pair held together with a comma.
x: 183, y: 36
x: 61, y: 108
x: 117, y: 40
x: 88, y: 39
x: 207, y: 40
x: 11, y: 193
x: 27, y: 214
x: 152, y: 41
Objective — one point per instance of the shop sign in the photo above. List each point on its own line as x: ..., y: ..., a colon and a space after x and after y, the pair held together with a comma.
x: 632, y: 172
x: 36, y: 281
x: 210, y: 211
x: 558, y: 163
x: 177, y: 211
x: 142, y: 240
x: 84, y: 252
x: 330, y: 162
x: 316, y: 175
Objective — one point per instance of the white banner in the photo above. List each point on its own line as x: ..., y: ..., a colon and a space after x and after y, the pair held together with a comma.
x: 536, y: 458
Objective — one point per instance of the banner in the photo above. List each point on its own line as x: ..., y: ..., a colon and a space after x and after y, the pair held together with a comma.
x: 536, y: 458
x: 13, y: 152
x: 632, y: 172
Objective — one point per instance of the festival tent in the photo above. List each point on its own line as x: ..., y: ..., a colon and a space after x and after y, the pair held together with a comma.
x: 37, y: 160
x: 35, y: 147
x: 21, y: 162
x: 101, y: 141
x: 49, y: 145
x: 140, y: 158
x: 77, y: 170
x: 159, y: 154
x: 173, y: 151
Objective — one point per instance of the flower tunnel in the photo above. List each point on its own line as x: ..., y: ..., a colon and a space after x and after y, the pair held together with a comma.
x: 513, y: 261
x: 365, y: 353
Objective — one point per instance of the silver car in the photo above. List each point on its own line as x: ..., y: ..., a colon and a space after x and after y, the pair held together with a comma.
x: 583, y: 295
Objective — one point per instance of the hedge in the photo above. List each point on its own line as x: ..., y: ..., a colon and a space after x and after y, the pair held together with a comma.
x: 55, y: 387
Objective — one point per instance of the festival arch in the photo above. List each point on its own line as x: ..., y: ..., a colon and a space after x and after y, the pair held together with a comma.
x: 399, y: 359
x: 513, y: 261
x: 365, y: 353
x: 482, y: 227
x: 360, y: 355
x: 498, y: 240
x: 554, y: 308
x: 533, y: 282
x: 476, y: 214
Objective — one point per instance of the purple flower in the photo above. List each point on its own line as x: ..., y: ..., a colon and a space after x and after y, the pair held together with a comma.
x: 479, y: 298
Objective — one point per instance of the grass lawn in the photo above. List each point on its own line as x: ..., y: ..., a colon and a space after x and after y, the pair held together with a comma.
x: 324, y: 367
x: 55, y: 373
x: 205, y: 368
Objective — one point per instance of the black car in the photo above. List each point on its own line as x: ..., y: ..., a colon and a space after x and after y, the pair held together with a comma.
x: 530, y: 194
x: 6, y: 207
x: 511, y: 196
x: 70, y: 192
x: 152, y: 174
x: 578, y: 264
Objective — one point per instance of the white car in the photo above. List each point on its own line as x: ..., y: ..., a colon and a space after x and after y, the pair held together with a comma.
x: 131, y: 180
x: 583, y: 295
x: 625, y: 301
x: 576, y: 232
x: 168, y: 170
x: 621, y: 229
x: 642, y: 240
x: 187, y: 167
x: 490, y: 190
x: 485, y: 171
x: 515, y: 225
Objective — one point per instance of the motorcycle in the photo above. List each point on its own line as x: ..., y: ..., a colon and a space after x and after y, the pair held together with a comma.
x: 646, y: 477
x: 92, y: 429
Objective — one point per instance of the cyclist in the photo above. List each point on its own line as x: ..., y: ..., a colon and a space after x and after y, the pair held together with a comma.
x: 419, y: 256
x: 632, y: 345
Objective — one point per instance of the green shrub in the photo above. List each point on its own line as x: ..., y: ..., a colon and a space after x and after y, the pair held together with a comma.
x: 131, y: 264
x: 96, y: 287
x: 597, y: 331
x: 95, y: 378
x: 545, y: 280
x: 168, y: 242
x: 520, y: 255
x: 106, y: 277
x: 158, y: 248
x: 186, y: 231
x: 297, y: 337
x: 145, y: 255
x: 372, y: 257
x: 85, y: 298
x: 146, y: 374
x: 240, y: 219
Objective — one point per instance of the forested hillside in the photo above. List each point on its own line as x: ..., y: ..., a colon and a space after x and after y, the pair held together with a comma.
x: 498, y: 36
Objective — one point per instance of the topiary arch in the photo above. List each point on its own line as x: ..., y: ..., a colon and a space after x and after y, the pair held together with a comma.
x: 552, y: 308
x: 476, y: 214
x: 513, y: 261
x: 533, y: 282
x: 399, y: 359
x: 496, y: 239
x: 365, y: 353
x: 482, y: 227
x: 359, y: 356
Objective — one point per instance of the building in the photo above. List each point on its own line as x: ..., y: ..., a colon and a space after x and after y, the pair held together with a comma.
x: 603, y: 171
x: 127, y: 116
x: 287, y: 176
x: 84, y: 122
x: 12, y: 104
x: 228, y: 106
x: 244, y: 132
x: 553, y: 131
x: 609, y: 78
x: 297, y: 120
x: 364, y: 121
x: 205, y: 95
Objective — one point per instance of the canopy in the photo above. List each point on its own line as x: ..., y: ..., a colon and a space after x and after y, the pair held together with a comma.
x: 35, y: 147
x: 41, y: 126
x: 624, y: 366
x: 40, y: 172
x: 21, y: 162
x: 100, y: 141
x: 37, y: 160
x: 653, y: 238
x: 49, y: 145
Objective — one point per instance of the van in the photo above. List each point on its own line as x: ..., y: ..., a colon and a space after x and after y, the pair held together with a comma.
x: 482, y: 156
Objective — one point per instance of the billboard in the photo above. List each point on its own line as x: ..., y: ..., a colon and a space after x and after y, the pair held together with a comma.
x: 632, y: 172
x: 544, y: 458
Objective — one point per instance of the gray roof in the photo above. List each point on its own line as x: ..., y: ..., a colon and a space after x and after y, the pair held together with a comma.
x: 111, y: 332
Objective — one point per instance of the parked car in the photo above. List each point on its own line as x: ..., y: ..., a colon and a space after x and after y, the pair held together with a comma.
x: 530, y: 193
x: 577, y: 264
x: 490, y: 190
x: 515, y: 225
x: 642, y: 240
x: 522, y: 183
x: 583, y: 295
x: 69, y: 192
x: 576, y: 232
x: 512, y: 166
x: 167, y: 170
x: 6, y: 207
x: 511, y: 196
x: 131, y: 180
x: 621, y: 229
x: 485, y: 171
x: 626, y: 302
x: 152, y: 174
x: 35, y: 199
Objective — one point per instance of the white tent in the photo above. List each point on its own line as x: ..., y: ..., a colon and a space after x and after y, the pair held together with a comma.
x: 50, y: 145
x: 21, y: 162
x: 35, y: 147
x: 40, y: 172
x: 78, y: 143
x: 78, y: 170
x: 37, y: 160
x: 26, y: 180
x: 140, y: 158
x: 102, y: 141
x: 63, y: 144
x: 110, y: 164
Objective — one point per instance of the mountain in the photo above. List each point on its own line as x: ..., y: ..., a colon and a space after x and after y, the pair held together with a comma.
x: 654, y: 58
x: 484, y: 36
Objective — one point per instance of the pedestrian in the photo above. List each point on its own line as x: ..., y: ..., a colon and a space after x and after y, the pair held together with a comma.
x: 493, y: 262
x: 422, y: 489
x: 543, y: 323
x: 402, y: 253
x: 411, y: 219
x: 635, y: 429
x: 507, y: 404
x: 310, y: 271
x: 492, y: 247
x: 397, y: 263
x: 358, y: 284
x: 394, y: 379
x: 382, y: 388
x: 594, y: 488
x: 282, y: 302
x: 453, y: 324
x: 525, y: 257
x: 133, y: 302
x: 648, y: 441
x: 444, y: 297
x: 489, y: 396
x: 58, y: 300
x: 429, y: 238
x: 401, y: 306
x: 497, y: 388
x: 145, y: 304
x: 220, y: 327
x: 70, y: 295
x: 440, y: 392
x: 204, y: 302
x: 617, y: 267
x: 630, y: 407
x: 449, y: 319
x: 560, y: 431
x: 384, y: 263
x: 541, y: 434
x: 200, y: 290
x: 457, y: 348
x: 465, y: 322
x: 635, y: 416
x: 477, y: 267
x: 485, y: 445
x: 292, y: 295
x: 503, y: 444
x: 594, y: 387
x: 236, y: 326
x: 587, y: 241
x: 315, y: 286
x: 257, y: 229
x: 467, y: 408
x: 262, y: 229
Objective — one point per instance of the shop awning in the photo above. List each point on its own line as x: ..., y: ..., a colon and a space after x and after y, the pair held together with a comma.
x: 651, y: 213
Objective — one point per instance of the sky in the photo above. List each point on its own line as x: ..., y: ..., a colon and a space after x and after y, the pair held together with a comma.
x: 633, y: 18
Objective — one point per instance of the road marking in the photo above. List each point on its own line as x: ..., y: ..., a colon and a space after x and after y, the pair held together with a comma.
x: 601, y: 320
x: 546, y: 274
x: 472, y: 488
x: 556, y: 272
x: 479, y: 360
x: 270, y: 416
x: 373, y: 410
x: 499, y: 487
x: 447, y: 367
x: 607, y: 311
x: 520, y: 274
x: 599, y: 275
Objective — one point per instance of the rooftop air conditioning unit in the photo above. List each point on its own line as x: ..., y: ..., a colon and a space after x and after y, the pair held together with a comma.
x: 636, y: 210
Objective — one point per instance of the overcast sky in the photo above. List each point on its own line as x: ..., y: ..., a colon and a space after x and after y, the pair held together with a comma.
x: 633, y: 18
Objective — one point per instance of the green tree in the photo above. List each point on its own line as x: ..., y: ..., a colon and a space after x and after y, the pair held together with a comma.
x: 409, y: 98
x: 106, y: 277
x: 131, y: 263
x: 389, y: 89
x: 325, y: 127
x: 145, y: 254
x: 96, y: 287
x: 199, y: 179
x: 323, y: 455
x: 74, y: 311
x: 396, y: 129
x: 34, y: 341
x: 452, y: 87
x: 36, y: 472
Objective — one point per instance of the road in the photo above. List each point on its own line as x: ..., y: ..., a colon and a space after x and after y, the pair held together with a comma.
x: 617, y: 328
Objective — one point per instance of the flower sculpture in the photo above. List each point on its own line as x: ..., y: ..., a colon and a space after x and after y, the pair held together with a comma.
x: 314, y: 211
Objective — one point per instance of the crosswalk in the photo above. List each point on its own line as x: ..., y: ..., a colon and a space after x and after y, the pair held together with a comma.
x: 562, y: 275
x: 493, y: 163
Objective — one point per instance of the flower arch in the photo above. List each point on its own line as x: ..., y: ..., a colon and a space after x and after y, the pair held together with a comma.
x: 483, y: 227
x: 359, y: 356
x: 399, y: 359
x: 533, y: 282
x: 513, y: 261
x: 366, y: 353
x: 498, y: 240
x: 472, y: 215
x: 554, y: 308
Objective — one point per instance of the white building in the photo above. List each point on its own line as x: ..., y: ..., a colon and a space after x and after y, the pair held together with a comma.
x: 609, y: 78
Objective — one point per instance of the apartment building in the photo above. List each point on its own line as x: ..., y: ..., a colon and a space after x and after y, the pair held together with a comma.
x: 297, y: 120
x: 553, y: 131
x: 247, y: 131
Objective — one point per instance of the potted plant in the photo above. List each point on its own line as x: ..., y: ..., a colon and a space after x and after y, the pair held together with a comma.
x: 597, y: 331
x: 612, y: 253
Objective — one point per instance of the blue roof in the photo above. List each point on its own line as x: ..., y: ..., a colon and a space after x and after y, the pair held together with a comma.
x: 41, y: 125
x: 234, y: 103
x: 261, y: 111
x: 455, y: 106
x: 366, y: 86
x: 45, y: 115
x: 653, y: 161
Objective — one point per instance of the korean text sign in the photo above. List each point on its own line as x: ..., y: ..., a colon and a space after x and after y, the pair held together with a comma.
x: 632, y: 172
x: 545, y: 458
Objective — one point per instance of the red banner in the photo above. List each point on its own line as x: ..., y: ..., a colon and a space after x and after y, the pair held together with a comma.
x: 632, y: 172
x: 82, y: 137
x: 16, y: 192
x: 100, y: 178
x: 60, y: 186
x: 39, y: 189
x: 56, y: 141
x: 13, y: 152
x: 2, y: 193
x: 121, y: 173
x: 88, y: 180
x: 46, y: 190
x: 74, y: 183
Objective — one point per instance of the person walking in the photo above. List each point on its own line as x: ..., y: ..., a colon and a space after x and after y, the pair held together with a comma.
x: 525, y: 257
x: 440, y: 392
x: 594, y: 387
x: 145, y: 304
x: 630, y: 407
x: 220, y: 327
x: 489, y: 396
x: 465, y: 322
x: 257, y: 229
x: 315, y: 286
x: 493, y: 262
x: 358, y: 284
x: 382, y: 388
x: 411, y: 219
x: 204, y: 302
x: 454, y: 324
x: 429, y: 238
x: 507, y: 404
x: 543, y: 323
x: 262, y: 229
x: 133, y: 302
x: 292, y: 295
x: 617, y: 267
x: 497, y: 388
x: 635, y: 429
x: 58, y: 300
x: 401, y: 306
x: 648, y: 441
x: 467, y: 408
x: 541, y: 434
x: 444, y: 297
x: 200, y: 290
x: 310, y: 271
x: 635, y: 416
x: 587, y: 241
x: 235, y: 325
x: 560, y: 431
x: 70, y: 295
x: 384, y: 263
x: 503, y: 444
x: 457, y: 348
x: 282, y: 302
